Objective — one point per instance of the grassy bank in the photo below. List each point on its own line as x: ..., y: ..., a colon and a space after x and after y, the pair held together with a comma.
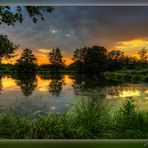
x: 89, y: 121
x: 128, y: 75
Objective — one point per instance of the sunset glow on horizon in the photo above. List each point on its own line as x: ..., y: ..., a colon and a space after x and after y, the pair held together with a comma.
x: 41, y: 55
x: 70, y: 28
x: 129, y: 47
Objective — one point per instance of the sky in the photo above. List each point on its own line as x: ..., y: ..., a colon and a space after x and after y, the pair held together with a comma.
x: 71, y: 27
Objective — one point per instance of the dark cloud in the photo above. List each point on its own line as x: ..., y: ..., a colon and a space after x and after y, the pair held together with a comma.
x: 74, y: 27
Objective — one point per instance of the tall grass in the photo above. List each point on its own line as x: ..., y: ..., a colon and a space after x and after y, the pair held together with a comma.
x: 90, y: 121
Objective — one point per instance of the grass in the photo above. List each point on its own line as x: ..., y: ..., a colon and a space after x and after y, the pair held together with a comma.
x: 91, y: 120
x: 128, y: 76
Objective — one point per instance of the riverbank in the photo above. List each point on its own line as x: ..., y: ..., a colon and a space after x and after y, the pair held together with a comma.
x: 128, y: 76
x: 89, y: 121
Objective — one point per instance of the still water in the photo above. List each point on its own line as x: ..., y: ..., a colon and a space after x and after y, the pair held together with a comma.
x: 41, y: 94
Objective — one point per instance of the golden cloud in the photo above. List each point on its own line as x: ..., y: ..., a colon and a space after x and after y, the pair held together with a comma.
x: 44, y: 50
x: 131, y: 46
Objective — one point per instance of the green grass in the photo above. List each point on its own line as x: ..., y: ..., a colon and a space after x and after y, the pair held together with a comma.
x: 128, y: 76
x: 90, y: 120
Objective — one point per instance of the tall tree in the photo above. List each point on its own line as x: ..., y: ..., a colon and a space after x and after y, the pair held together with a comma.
x: 11, y: 15
x: 27, y: 57
x: 91, y: 59
x: 7, y: 48
x: 55, y: 57
x: 96, y: 59
x: 27, y: 62
x: 79, y: 54
x: 143, y: 55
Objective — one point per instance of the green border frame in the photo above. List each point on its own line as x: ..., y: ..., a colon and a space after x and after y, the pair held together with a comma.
x: 73, y: 143
x: 105, y: 143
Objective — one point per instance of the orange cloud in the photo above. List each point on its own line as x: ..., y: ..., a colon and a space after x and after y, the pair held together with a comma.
x: 44, y: 50
x: 131, y: 47
x: 68, y: 61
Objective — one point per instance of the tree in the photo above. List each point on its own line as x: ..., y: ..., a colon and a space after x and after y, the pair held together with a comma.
x: 96, y: 59
x: 91, y: 59
x: 79, y: 54
x: 10, y: 16
x: 115, y: 59
x: 7, y: 48
x: 143, y: 55
x: 27, y: 57
x: 27, y: 61
x: 55, y: 57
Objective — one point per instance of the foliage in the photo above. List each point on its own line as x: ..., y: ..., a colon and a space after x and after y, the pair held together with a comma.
x: 55, y: 56
x: 91, y: 60
x: 90, y: 121
x: 127, y: 76
x: 11, y: 15
x: 143, y: 55
x: 7, y: 48
x: 145, y: 79
x: 27, y: 62
x: 56, y: 60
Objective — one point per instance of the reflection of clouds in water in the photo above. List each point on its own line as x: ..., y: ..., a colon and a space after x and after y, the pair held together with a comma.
x: 130, y: 93
x: 9, y: 84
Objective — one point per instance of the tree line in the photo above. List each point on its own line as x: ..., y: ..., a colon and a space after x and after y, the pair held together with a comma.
x: 88, y: 59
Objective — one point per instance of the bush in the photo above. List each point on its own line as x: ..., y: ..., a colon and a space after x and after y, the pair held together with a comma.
x: 145, y: 79
x: 137, y: 78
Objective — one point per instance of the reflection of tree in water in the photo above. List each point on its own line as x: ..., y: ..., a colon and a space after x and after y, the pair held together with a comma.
x: 56, y: 85
x: 85, y: 83
x: 1, y: 86
x: 27, y: 82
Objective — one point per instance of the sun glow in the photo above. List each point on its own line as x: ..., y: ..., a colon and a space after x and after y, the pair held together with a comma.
x: 41, y: 55
x: 131, y: 46
x: 9, y: 84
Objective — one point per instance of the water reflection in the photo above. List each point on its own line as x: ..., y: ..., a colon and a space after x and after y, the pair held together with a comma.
x: 85, y: 83
x: 80, y: 85
x: 0, y: 84
x: 56, y: 84
x: 57, y: 92
x: 27, y: 82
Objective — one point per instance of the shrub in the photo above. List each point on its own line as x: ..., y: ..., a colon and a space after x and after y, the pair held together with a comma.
x: 145, y: 79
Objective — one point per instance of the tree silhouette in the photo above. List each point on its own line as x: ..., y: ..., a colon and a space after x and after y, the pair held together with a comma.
x: 10, y: 16
x: 91, y: 60
x: 7, y: 48
x: 96, y: 59
x: 79, y: 54
x: 143, y: 55
x: 116, y: 59
x: 27, y: 62
x: 55, y: 56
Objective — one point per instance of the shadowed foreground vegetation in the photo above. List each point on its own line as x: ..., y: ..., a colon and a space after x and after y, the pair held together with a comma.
x: 133, y: 76
x: 90, y: 120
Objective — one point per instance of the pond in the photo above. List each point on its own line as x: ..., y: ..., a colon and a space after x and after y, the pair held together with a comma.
x: 40, y: 94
